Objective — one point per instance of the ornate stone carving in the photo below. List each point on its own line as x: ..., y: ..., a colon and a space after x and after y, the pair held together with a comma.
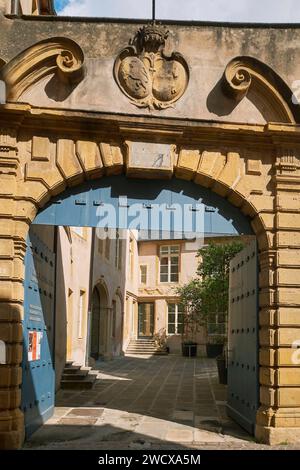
x: 8, y: 146
x: 57, y: 55
x: 286, y: 161
x: 248, y: 76
x: 147, y: 75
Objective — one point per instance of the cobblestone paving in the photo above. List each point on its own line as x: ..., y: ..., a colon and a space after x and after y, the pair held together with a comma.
x: 162, y: 402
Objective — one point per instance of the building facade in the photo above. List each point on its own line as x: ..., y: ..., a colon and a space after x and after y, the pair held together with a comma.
x: 163, y: 266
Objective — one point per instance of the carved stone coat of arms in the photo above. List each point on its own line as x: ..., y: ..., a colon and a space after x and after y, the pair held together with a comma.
x: 147, y: 75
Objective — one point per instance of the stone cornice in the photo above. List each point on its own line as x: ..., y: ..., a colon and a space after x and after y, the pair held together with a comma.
x: 122, y: 127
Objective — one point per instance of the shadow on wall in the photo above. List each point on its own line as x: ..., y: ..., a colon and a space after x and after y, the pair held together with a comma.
x: 219, y: 104
x: 58, y: 91
x: 61, y: 318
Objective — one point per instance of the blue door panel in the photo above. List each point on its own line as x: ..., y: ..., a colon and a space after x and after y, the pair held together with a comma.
x: 38, y: 380
x: 80, y: 206
x: 243, y: 383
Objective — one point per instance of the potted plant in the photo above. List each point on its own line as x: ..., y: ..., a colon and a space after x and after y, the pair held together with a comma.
x: 208, y: 293
x: 215, y: 346
x: 189, y: 348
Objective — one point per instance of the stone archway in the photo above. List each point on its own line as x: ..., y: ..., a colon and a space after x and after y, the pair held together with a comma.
x: 100, y: 321
x: 256, y: 182
x: 256, y: 167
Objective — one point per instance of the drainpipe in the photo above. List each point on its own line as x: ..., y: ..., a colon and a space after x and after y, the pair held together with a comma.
x: 89, y: 315
x: 14, y: 7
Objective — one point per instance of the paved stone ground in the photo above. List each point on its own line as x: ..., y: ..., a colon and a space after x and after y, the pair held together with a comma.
x: 162, y: 402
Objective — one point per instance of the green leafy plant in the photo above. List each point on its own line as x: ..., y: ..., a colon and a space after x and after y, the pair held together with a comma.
x: 216, y: 339
x: 206, y: 295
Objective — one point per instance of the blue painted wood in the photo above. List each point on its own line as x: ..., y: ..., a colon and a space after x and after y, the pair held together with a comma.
x: 38, y: 380
x: 243, y: 383
x: 79, y: 206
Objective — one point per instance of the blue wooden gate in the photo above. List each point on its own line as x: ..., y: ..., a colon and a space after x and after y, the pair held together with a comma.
x: 243, y: 389
x: 80, y: 207
x: 38, y: 383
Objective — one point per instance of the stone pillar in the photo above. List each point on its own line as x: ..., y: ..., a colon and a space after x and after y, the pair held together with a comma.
x: 12, y: 251
x: 278, y: 419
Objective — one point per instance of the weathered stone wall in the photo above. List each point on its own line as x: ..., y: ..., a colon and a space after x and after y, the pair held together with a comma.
x: 252, y: 170
x: 44, y: 149
x: 207, y: 49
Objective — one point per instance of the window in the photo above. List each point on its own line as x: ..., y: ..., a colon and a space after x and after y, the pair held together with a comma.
x: 100, y: 246
x: 114, y: 319
x: 175, y: 319
x: 118, y: 250
x: 131, y: 257
x: 169, y: 263
x: 216, y: 324
x: 120, y: 254
x: 81, y: 314
x: 143, y: 274
x: 107, y: 247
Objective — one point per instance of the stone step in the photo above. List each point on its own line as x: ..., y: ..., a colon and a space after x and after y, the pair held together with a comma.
x: 79, y: 375
x: 142, y: 349
x: 143, y: 341
x: 85, y: 384
x: 71, y: 369
x: 143, y: 353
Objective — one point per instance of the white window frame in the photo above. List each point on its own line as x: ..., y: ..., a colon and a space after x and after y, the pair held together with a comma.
x: 168, y: 255
x: 176, y: 318
x: 131, y: 258
x: 117, y: 250
x: 220, y: 327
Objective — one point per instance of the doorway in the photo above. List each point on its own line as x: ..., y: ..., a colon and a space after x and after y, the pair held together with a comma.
x: 79, y: 207
x: 146, y: 320
x: 95, y: 325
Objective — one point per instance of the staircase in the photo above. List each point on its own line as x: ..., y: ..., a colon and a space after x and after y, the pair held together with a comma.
x: 76, y: 377
x: 144, y: 347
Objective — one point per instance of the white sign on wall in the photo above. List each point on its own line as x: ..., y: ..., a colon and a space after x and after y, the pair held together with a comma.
x: 34, y: 345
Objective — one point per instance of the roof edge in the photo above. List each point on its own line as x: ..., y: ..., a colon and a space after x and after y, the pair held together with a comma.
x: 87, y: 19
